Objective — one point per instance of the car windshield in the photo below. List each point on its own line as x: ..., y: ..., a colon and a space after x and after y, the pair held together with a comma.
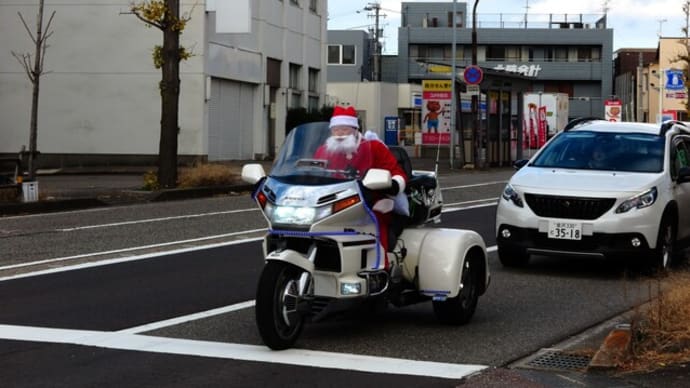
x: 303, y: 158
x: 611, y: 151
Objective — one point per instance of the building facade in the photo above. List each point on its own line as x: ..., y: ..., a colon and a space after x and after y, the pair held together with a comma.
x: 560, y: 53
x: 627, y: 63
x: 661, y: 92
x: 99, y: 100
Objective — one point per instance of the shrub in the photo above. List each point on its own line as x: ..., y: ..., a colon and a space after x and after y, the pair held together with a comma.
x: 661, y: 335
x: 211, y: 174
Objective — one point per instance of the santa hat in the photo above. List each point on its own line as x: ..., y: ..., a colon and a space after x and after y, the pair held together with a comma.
x: 344, y: 116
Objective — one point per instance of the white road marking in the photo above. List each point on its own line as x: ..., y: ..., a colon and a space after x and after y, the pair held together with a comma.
x: 170, y: 252
x: 126, y: 259
x: 115, y: 251
x: 188, y: 318
x: 448, y: 207
x: 155, y: 220
x: 301, y: 357
x: 473, y: 185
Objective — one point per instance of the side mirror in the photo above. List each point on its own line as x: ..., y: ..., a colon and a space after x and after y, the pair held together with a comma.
x: 252, y: 173
x: 683, y: 175
x: 377, y: 179
x: 518, y: 164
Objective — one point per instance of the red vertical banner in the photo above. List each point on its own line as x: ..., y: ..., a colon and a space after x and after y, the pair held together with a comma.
x: 542, y: 126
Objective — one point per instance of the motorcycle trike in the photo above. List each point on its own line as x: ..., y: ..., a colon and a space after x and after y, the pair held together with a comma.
x: 323, y: 252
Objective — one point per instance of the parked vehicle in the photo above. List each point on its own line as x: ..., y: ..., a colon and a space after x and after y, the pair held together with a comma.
x: 323, y: 251
x: 601, y: 189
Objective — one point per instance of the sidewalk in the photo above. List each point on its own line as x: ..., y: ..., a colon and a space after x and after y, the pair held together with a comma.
x: 85, y: 187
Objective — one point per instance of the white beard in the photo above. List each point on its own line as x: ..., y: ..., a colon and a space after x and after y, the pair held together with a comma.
x: 342, y: 144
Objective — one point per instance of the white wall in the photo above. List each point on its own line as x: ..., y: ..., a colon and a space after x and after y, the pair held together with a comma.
x: 101, y: 93
x: 378, y: 99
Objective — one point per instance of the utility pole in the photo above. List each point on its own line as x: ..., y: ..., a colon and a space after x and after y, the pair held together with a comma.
x: 477, y: 139
x: 376, y: 7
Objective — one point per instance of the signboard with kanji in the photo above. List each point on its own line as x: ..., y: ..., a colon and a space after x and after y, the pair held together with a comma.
x: 436, y: 102
x: 612, y: 110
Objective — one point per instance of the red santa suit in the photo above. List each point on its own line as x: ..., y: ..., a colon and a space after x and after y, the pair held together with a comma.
x: 368, y: 154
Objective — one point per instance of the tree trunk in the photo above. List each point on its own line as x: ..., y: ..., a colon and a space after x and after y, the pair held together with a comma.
x: 170, y: 94
x: 36, y: 80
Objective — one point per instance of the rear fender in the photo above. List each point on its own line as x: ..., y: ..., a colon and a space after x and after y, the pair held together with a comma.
x: 440, y: 255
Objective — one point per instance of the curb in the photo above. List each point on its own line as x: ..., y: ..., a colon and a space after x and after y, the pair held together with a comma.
x: 614, y: 350
x: 49, y: 206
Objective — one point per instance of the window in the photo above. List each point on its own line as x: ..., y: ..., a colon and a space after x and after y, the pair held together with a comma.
x: 584, y: 54
x: 341, y: 54
x: 294, y: 2
x: 313, y: 90
x: 557, y: 54
x: 313, y: 104
x: 512, y: 53
x: 458, y: 19
x: 312, y: 5
x: 294, y: 76
x: 418, y: 51
x: 313, y: 80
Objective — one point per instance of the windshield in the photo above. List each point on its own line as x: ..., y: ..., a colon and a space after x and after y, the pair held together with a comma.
x: 304, y: 158
x: 589, y: 150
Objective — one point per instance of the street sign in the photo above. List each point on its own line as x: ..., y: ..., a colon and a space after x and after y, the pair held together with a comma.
x: 674, y: 80
x: 473, y: 90
x: 473, y: 75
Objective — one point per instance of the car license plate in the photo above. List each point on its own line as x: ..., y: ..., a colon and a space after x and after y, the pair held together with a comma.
x: 565, y: 230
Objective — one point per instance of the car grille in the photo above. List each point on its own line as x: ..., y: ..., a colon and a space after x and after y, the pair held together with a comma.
x: 568, y: 207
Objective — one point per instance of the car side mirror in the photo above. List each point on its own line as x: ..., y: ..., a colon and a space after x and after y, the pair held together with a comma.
x: 253, y: 172
x: 683, y: 175
x: 518, y: 164
x: 377, y: 179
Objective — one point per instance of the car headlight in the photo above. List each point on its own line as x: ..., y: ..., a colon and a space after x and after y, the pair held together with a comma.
x: 642, y: 200
x: 509, y: 194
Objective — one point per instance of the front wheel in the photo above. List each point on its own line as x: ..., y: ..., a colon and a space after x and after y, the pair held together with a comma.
x: 277, y: 299
x: 460, y: 309
x: 665, y: 244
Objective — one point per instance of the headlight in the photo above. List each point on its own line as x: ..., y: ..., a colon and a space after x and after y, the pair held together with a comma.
x: 350, y: 288
x: 509, y: 194
x: 293, y: 215
x: 642, y: 200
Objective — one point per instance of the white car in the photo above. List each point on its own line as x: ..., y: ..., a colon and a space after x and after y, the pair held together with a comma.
x: 602, y: 189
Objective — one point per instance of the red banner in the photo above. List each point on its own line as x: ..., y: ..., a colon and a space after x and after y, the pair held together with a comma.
x: 542, y: 125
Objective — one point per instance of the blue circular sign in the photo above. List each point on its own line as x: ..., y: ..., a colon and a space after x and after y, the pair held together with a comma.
x: 473, y: 75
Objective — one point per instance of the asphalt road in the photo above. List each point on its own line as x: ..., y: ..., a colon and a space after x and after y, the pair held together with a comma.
x: 103, y: 307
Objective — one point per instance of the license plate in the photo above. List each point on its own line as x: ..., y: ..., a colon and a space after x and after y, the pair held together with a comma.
x: 565, y: 230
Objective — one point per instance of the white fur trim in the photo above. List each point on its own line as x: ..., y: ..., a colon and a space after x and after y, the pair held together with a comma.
x: 350, y: 121
x: 401, y: 183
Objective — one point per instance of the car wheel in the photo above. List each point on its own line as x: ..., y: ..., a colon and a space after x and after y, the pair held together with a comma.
x: 513, y: 257
x: 663, y: 255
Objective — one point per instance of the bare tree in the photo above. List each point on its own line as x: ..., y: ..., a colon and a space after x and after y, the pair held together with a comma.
x: 165, y: 15
x: 34, y: 73
x: 685, y: 57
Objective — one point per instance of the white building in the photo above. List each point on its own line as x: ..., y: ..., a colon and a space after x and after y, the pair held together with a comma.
x: 99, y: 101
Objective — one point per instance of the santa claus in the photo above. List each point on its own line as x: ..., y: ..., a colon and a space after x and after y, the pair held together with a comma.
x: 347, y: 149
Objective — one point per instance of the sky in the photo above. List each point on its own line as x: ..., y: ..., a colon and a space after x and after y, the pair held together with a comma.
x: 635, y: 23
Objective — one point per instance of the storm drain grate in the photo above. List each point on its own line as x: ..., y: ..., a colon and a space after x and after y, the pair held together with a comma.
x: 551, y: 359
